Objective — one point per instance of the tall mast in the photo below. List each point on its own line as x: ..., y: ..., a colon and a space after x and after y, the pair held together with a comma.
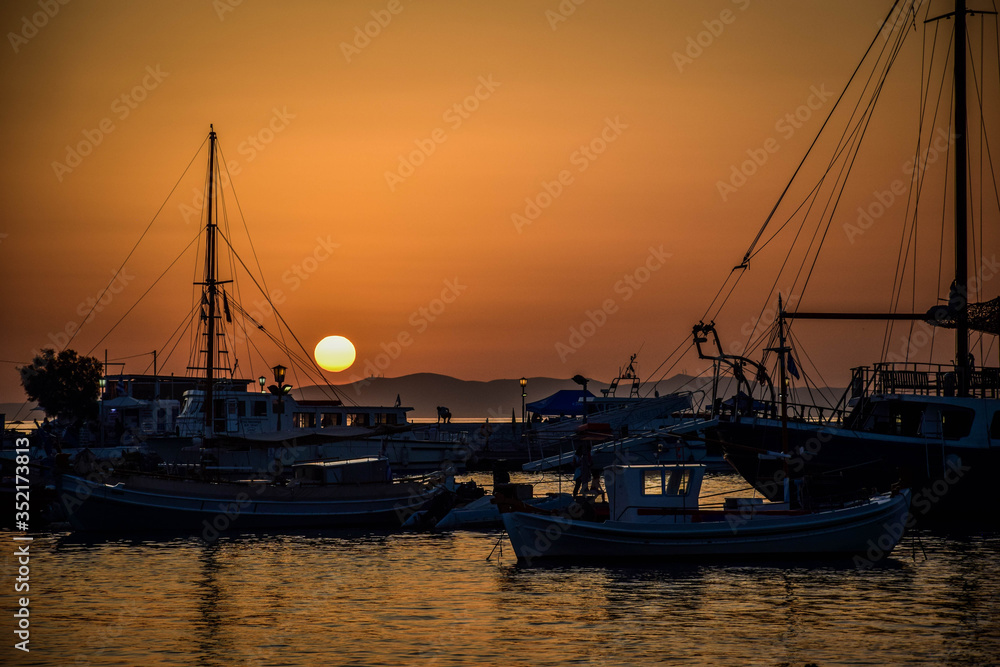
x: 961, y: 232
x: 210, y: 286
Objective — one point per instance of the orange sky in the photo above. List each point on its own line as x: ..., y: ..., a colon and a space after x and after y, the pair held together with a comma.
x: 502, y: 97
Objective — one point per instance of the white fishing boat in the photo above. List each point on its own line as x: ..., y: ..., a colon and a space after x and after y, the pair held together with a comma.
x: 655, y: 512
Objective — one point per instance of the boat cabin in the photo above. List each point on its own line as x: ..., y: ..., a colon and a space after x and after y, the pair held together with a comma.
x: 652, y: 493
x: 366, y: 470
x: 247, y: 413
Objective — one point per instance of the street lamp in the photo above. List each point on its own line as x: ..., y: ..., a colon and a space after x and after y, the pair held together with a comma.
x: 524, y: 383
x: 279, y: 389
x: 102, y: 383
x: 262, y: 381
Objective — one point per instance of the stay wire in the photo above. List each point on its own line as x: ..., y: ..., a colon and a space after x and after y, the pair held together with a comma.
x: 143, y: 295
x: 134, y: 247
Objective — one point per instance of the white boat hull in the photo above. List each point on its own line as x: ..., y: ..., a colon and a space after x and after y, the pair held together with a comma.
x: 873, y: 526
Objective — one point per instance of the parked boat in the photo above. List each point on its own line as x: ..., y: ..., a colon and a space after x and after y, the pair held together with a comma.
x: 320, y: 494
x: 654, y: 512
x: 934, y: 426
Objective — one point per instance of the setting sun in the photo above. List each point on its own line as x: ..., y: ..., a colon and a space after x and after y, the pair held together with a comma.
x: 335, y: 353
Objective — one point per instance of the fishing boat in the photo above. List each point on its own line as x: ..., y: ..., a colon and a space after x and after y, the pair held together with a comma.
x: 933, y: 426
x: 236, y: 438
x: 655, y: 512
x: 359, y: 493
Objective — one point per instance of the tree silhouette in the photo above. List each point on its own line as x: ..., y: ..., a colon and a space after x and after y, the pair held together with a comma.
x: 64, y: 384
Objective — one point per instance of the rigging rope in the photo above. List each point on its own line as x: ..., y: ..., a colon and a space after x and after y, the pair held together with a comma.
x: 134, y: 246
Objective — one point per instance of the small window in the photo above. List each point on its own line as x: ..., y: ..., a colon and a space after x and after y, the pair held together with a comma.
x: 652, y: 482
x: 304, y: 419
x: 331, y: 419
x: 260, y: 408
x: 995, y: 426
x: 357, y: 419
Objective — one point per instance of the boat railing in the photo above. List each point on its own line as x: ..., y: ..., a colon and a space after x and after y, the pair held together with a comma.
x: 797, y: 412
x: 924, y: 379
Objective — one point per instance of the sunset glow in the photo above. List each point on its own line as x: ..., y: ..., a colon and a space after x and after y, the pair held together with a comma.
x: 380, y: 154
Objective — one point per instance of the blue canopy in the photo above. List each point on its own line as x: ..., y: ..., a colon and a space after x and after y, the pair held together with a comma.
x: 567, y: 402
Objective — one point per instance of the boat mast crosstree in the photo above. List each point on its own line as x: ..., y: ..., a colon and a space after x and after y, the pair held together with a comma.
x: 919, y: 422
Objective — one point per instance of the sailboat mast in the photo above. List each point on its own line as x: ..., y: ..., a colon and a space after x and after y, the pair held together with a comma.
x: 210, y: 286
x: 961, y: 223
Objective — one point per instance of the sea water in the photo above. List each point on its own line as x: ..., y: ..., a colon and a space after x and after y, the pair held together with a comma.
x: 390, y: 598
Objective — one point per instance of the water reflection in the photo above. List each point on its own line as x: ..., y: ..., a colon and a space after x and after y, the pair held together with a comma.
x: 435, y: 599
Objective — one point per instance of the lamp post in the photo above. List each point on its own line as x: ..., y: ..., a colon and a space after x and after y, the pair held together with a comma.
x: 279, y: 389
x: 262, y: 381
x: 579, y: 379
x: 102, y: 383
x: 524, y: 383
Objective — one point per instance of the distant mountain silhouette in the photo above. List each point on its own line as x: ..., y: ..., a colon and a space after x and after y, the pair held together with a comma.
x: 496, y: 399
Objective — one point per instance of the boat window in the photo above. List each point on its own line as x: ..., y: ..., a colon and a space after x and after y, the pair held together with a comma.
x: 679, y: 481
x: 995, y: 426
x: 357, y: 419
x: 895, y: 418
x: 241, y: 409
x: 260, y: 408
x: 956, y: 422
x: 652, y: 482
x: 390, y: 418
x: 304, y: 419
x: 331, y: 419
